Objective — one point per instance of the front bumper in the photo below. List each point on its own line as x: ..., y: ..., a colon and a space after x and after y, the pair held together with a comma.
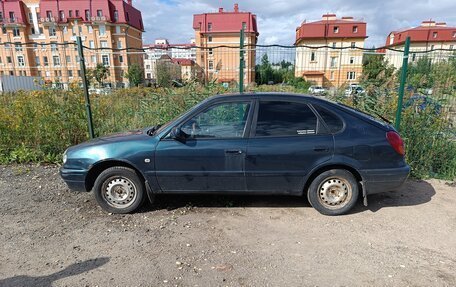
x: 74, y: 178
x: 382, y: 180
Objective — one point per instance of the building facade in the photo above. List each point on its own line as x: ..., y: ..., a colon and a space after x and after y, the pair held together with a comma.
x: 223, y: 29
x: 43, y: 34
x: 153, y: 52
x: 326, y: 51
x: 435, y: 38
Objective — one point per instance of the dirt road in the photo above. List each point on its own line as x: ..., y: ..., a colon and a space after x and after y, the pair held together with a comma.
x: 53, y: 237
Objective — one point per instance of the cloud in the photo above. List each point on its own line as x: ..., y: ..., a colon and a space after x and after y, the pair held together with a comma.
x: 278, y: 19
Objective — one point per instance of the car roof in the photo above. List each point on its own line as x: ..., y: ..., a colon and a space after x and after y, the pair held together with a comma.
x: 268, y: 95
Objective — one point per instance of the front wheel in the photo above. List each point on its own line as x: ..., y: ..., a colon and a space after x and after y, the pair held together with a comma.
x: 119, y: 190
x: 333, y: 192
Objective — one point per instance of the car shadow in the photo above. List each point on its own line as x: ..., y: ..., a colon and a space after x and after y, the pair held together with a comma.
x: 47, y: 280
x: 412, y: 193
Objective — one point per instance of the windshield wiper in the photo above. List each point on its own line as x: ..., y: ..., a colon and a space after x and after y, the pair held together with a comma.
x: 152, y: 130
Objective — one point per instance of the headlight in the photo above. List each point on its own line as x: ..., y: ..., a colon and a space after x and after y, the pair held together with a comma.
x: 64, y: 157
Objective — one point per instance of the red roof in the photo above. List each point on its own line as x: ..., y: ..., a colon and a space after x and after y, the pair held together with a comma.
x: 429, y: 31
x: 183, y: 62
x: 225, y: 22
x: 332, y: 28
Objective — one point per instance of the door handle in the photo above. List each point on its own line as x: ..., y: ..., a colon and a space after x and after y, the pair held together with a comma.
x: 233, y: 151
x: 321, y: 148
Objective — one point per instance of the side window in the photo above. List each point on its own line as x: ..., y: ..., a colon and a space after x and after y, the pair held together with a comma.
x: 225, y: 120
x: 285, y: 119
x: 332, y: 121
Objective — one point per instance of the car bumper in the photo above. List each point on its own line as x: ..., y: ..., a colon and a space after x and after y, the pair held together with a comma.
x: 75, y: 179
x: 381, y: 180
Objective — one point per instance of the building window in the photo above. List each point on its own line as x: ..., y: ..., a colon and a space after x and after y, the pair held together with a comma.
x: 334, y: 44
x: 333, y: 62
x: 331, y: 77
x: 211, y: 52
x: 434, y: 35
x: 432, y: 47
x: 12, y: 17
x: 209, y: 26
x: 52, y: 32
x: 99, y: 13
x: 68, y: 59
x: 16, y: 32
x: 20, y: 61
x: 61, y: 15
x: 413, y: 57
x: 353, y: 45
x: 148, y: 67
x: 336, y: 29
x: 41, y: 31
x: 102, y: 30
x: 117, y: 29
x: 148, y: 75
x: 65, y: 30
x: 56, y: 60
x: 18, y: 47
x: 77, y: 13
x: 105, y: 60
x: 30, y: 17
x: 91, y: 44
x: 45, y: 61
x: 93, y: 59
x: 312, y: 56
x: 53, y: 46
x: 87, y: 15
x: 127, y: 17
x: 104, y: 44
x: 9, y: 60
x: 90, y: 29
x: 352, y: 60
x: 454, y: 34
x: 244, y: 25
x: 351, y: 75
x: 211, y: 65
x: 49, y: 14
x: 116, y: 15
x: 70, y: 73
x: 119, y: 44
x: 1, y: 16
x: 70, y: 13
x: 451, y: 47
x: 120, y: 59
x: 355, y: 29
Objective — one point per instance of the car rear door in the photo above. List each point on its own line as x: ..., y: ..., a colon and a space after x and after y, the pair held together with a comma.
x: 287, y: 141
x: 212, y: 158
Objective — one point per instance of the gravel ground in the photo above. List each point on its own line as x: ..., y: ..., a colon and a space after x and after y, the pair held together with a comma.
x: 54, y: 237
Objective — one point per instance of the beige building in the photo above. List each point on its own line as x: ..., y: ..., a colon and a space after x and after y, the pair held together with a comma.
x: 223, y: 29
x: 43, y: 34
x: 431, y: 37
x: 326, y: 53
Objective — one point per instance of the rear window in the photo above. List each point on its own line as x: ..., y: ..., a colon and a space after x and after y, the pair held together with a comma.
x: 334, y: 123
x: 277, y: 118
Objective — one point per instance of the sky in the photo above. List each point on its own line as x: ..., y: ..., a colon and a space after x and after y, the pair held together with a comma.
x: 278, y: 19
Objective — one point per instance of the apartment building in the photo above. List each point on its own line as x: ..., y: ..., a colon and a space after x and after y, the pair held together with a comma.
x: 319, y: 54
x: 161, y: 47
x: 222, y: 28
x: 431, y: 36
x: 43, y: 33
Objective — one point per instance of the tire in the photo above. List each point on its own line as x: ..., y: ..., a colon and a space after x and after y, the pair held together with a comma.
x: 333, y: 192
x: 119, y: 190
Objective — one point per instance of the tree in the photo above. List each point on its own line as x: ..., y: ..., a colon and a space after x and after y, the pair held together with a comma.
x: 376, y: 70
x: 99, y: 73
x: 134, y: 75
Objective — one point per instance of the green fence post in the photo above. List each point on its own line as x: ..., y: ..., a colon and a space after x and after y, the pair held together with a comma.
x: 241, y: 62
x: 403, y: 79
x: 85, y: 86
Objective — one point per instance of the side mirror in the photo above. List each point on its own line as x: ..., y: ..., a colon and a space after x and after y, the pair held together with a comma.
x: 178, y: 134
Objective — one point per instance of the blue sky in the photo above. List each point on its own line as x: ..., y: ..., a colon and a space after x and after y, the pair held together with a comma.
x: 278, y: 19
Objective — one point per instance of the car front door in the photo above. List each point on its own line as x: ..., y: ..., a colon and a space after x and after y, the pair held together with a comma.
x: 287, y: 141
x: 211, y: 158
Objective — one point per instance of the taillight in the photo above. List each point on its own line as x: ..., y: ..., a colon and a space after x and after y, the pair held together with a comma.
x: 396, y: 142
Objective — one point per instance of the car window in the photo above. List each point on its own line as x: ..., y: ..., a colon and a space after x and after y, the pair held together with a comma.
x: 332, y: 121
x: 278, y: 118
x: 225, y: 120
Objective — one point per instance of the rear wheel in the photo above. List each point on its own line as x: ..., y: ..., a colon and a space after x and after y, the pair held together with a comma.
x: 119, y: 190
x: 333, y: 192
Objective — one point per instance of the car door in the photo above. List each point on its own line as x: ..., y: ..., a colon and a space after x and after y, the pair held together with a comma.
x: 287, y: 140
x: 212, y: 157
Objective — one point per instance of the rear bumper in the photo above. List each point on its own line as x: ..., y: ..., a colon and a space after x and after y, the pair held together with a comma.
x: 75, y: 179
x: 381, y: 180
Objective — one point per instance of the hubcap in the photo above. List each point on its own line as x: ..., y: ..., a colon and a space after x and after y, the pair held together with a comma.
x: 119, y: 192
x: 334, y: 193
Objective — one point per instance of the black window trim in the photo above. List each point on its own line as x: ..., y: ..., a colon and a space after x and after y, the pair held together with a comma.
x: 255, y: 119
x: 247, y: 128
x: 332, y: 113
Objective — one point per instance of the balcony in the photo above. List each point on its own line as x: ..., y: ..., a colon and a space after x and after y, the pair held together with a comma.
x: 99, y: 19
x: 12, y: 22
x: 48, y: 21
